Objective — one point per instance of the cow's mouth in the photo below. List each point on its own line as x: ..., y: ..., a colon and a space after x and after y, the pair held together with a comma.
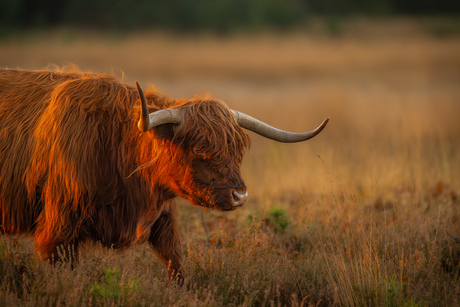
x: 234, y: 198
x: 227, y: 199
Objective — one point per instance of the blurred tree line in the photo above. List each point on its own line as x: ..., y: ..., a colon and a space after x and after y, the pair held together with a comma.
x: 219, y: 15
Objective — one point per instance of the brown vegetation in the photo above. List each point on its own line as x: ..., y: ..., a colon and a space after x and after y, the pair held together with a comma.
x: 365, y: 214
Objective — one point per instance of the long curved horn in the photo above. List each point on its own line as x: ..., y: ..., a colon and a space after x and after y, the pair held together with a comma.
x: 259, y: 127
x: 148, y: 121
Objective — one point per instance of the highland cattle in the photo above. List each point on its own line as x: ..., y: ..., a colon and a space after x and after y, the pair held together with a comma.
x: 88, y: 157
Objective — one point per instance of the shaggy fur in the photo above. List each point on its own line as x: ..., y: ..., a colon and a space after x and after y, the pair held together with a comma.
x: 74, y: 166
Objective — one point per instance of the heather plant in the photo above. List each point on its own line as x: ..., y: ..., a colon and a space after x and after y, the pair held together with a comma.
x: 277, y: 219
x: 111, y: 288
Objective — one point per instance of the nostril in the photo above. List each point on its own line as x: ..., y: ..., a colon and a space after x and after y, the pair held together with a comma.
x: 239, y: 198
x: 236, y: 196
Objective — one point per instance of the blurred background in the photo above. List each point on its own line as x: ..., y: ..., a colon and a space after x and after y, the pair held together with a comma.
x: 221, y: 16
x: 387, y: 72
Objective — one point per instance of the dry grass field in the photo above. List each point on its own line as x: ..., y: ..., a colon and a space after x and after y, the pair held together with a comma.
x: 367, y: 213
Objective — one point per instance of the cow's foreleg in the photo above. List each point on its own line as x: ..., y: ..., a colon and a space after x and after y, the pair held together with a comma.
x: 165, y: 240
x: 53, y: 245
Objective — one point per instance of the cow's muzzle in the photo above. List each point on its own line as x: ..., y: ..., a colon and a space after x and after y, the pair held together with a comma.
x: 238, y: 197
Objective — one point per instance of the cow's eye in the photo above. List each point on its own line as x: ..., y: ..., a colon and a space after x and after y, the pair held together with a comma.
x: 198, y: 153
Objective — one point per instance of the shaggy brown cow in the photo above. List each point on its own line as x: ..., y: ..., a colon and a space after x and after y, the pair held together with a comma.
x: 76, y: 165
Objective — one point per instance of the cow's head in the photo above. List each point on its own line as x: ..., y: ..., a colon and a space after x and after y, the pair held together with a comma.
x: 207, y: 143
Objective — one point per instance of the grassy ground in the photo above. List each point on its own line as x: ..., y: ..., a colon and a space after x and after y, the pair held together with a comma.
x: 367, y: 213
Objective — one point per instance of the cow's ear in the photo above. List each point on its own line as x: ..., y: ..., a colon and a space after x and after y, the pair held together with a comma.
x: 165, y: 131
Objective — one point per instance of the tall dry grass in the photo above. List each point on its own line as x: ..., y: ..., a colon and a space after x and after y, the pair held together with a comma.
x: 367, y: 213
